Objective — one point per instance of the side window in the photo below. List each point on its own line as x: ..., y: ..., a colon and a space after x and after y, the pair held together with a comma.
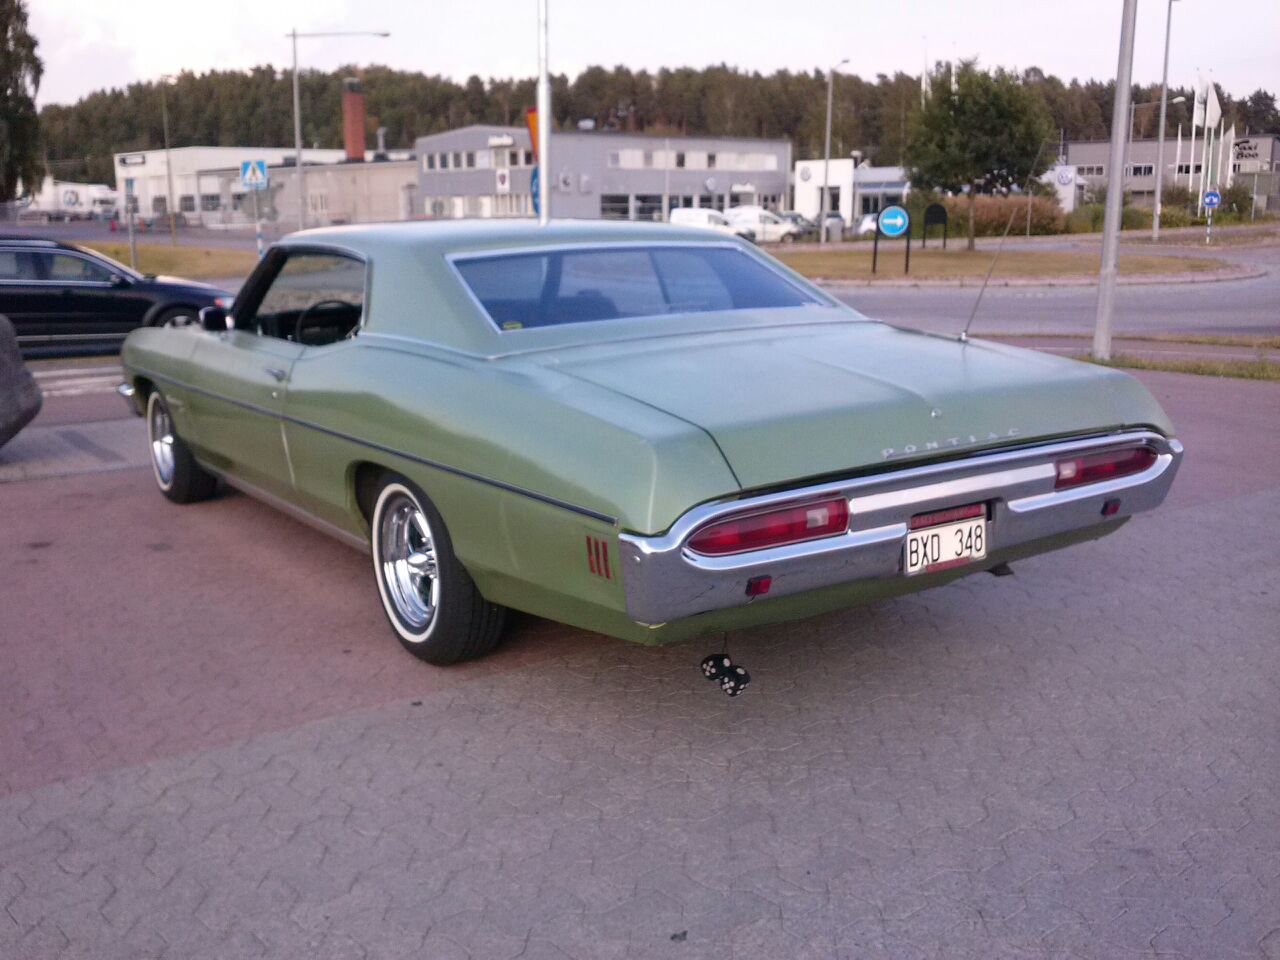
x: 316, y: 298
x: 17, y: 265
x: 73, y: 269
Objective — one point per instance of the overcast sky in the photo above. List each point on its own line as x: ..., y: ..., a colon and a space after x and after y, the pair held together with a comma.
x: 91, y: 44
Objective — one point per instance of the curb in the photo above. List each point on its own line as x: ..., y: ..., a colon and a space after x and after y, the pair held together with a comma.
x: 1149, y: 279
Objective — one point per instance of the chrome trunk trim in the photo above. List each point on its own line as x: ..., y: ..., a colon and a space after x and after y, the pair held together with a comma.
x: 665, y: 581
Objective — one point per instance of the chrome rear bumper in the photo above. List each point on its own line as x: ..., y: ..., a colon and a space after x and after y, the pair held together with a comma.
x: 665, y: 581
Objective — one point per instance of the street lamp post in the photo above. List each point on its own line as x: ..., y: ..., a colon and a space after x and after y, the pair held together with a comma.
x: 543, y: 94
x: 297, y: 108
x: 826, y: 154
x: 1115, y: 194
x: 1164, y: 96
x: 168, y: 159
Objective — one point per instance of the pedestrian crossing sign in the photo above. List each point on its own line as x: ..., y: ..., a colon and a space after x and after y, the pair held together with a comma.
x: 253, y: 174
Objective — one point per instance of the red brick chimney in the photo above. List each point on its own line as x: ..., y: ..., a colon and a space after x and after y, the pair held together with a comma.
x: 353, y: 118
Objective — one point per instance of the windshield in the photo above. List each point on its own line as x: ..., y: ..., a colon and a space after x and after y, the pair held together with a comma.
x: 552, y: 287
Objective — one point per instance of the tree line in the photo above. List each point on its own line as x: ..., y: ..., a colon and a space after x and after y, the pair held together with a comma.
x: 225, y: 107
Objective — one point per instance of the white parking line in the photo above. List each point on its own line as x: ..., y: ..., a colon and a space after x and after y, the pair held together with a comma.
x: 45, y: 373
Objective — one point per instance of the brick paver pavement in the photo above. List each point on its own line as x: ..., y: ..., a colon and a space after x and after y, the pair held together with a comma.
x: 210, y: 747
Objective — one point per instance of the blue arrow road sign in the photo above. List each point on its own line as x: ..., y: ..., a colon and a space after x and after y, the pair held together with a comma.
x: 893, y: 221
x: 1212, y: 198
x: 253, y: 174
x: 533, y: 187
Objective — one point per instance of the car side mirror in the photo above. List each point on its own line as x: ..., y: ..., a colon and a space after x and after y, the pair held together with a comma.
x: 118, y: 281
x: 214, y: 319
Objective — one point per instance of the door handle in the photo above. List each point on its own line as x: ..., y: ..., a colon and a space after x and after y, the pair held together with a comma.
x: 280, y: 375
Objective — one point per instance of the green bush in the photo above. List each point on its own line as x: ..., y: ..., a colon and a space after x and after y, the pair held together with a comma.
x: 1135, y: 218
x: 1237, y: 199
x: 1086, y: 218
x: 1181, y: 197
x: 1175, y: 215
x: 991, y: 215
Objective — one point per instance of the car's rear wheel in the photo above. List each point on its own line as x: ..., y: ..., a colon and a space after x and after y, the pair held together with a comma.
x: 177, y: 474
x: 430, y: 600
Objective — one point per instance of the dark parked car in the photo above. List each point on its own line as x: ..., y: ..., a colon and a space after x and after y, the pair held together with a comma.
x: 62, y: 297
x: 808, y: 229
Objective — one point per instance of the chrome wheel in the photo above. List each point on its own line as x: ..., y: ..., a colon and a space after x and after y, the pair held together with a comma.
x: 408, y: 572
x: 160, y: 433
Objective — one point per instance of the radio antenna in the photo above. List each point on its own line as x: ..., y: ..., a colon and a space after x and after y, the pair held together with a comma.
x: 964, y: 334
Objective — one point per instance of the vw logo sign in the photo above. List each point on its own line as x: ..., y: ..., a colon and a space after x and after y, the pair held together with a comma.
x: 1066, y: 176
x: 805, y: 174
x: 70, y: 198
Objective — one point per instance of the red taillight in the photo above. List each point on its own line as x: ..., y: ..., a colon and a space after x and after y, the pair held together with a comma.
x: 772, y: 528
x: 1095, y: 467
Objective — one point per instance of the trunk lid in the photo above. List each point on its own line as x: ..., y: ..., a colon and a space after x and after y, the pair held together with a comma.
x: 784, y: 405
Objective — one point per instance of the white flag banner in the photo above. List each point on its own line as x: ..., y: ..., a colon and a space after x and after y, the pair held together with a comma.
x: 1197, y: 114
x: 1228, y: 156
x: 1212, y: 109
x: 1177, y: 157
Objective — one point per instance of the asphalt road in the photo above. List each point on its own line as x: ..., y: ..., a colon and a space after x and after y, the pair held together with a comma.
x: 1234, y: 307
x: 212, y: 747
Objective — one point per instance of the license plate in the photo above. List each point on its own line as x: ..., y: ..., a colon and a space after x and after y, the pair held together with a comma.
x: 930, y: 549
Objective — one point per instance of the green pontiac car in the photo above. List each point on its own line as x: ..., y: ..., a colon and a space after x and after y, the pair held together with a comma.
x: 641, y: 430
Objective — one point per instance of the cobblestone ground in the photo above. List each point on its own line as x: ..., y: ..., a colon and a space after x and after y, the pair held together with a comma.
x: 1079, y: 761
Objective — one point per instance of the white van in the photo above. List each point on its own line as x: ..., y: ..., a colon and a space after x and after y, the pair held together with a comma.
x: 711, y: 219
x: 765, y: 224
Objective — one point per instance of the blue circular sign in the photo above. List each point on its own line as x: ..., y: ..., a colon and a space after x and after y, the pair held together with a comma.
x: 1212, y: 198
x: 894, y: 221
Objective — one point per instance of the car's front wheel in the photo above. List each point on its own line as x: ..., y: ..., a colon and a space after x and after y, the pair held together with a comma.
x: 177, y: 317
x: 430, y: 600
x: 177, y: 474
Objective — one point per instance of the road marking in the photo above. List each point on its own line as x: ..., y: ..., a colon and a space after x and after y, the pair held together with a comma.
x: 83, y: 443
x: 45, y: 372
x: 81, y: 448
x: 78, y: 381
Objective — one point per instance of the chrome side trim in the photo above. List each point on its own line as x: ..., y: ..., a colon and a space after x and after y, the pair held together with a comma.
x: 294, y: 511
x: 666, y: 581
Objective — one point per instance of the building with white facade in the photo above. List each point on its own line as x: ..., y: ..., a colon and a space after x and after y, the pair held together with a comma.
x: 208, y: 192
x: 873, y: 189
x: 197, y: 185
x: 485, y: 171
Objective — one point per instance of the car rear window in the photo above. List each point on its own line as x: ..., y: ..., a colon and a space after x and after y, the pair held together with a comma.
x: 546, y: 288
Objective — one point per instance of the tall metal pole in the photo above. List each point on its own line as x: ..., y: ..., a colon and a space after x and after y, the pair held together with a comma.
x: 544, y: 120
x: 826, y: 163
x: 1115, y: 193
x: 297, y: 138
x: 130, y: 201
x: 1164, y: 106
x: 168, y: 161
